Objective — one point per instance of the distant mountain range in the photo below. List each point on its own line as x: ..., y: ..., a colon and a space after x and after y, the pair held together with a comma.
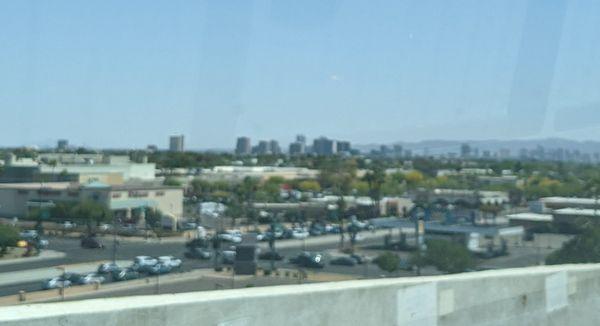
x: 436, y: 147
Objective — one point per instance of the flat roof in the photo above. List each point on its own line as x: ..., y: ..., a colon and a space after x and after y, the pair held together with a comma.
x: 39, y: 185
x: 578, y: 212
x: 533, y: 217
x: 436, y: 227
x: 74, y: 185
x: 568, y: 200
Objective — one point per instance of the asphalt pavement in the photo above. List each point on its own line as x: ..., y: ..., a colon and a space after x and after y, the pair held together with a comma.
x: 11, y: 283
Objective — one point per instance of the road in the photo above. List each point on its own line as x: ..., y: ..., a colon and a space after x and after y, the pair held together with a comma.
x: 75, y: 255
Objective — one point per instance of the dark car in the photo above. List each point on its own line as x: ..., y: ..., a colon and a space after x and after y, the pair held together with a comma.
x: 159, y: 269
x: 316, y: 230
x: 228, y: 257
x: 125, y: 275
x: 344, y: 261
x: 359, y: 259
x: 91, y: 243
x: 270, y: 255
x: 198, y: 253
x: 310, y: 260
x: 107, y: 268
x: 74, y: 278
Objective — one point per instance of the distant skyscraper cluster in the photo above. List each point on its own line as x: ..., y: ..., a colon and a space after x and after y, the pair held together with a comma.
x: 320, y: 146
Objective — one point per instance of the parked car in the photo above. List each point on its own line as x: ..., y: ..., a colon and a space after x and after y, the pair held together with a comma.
x: 108, y: 268
x: 125, y: 274
x: 310, y: 260
x: 316, y: 230
x: 28, y: 234
x: 270, y: 255
x: 234, y: 236
x: 91, y: 243
x: 265, y: 236
x: 344, y: 261
x: 198, y: 253
x: 158, y: 269
x: 55, y: 283
x: 228, y: 257
x: 91, y: 278
x: 334, y: 229
x: 359, y: 259
x: 170, y: 261
x: 300, y: 233
x: 105, y: 227
x: 68, y: 225
x: 42, y: 243
x: 74, y: 278
x: 145, y: 261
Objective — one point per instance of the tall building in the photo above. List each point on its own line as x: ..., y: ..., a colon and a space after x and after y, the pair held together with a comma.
x: 465, y: 150
x: 324, y: 146
x: 301, y: 139
x: 262, y: 148
x: 398, y: 150
x: 176, y: 143
x: 62, y: 145
x: 274, y: 147
x: 343, y: 146
x: 297, y: 148
x: 243, y: 146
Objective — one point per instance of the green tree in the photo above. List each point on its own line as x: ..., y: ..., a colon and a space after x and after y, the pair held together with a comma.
x: 91, y: 213
x: 309, y: 185
x: 387, y: 261
x: 583, y: 248
x: 153, y: 217
x: 8, y: 238
x: 448, y: 256
x: 170, y: 181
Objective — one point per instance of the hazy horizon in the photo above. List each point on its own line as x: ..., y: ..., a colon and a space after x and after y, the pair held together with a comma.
x: 111, y: 74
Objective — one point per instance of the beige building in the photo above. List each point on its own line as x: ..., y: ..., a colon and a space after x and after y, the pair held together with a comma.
x: 127, y: 201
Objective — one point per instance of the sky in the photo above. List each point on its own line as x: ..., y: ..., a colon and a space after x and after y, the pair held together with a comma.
x: 130, y: 73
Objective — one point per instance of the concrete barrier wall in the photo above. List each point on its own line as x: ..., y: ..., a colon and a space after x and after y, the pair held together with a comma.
x: 556, y: 295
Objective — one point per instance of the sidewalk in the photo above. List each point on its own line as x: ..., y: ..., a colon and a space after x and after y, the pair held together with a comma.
x: 44, y: 255
x: 33, y: 275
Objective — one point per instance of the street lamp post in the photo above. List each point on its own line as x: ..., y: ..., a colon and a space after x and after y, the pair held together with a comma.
x: 114, y: 251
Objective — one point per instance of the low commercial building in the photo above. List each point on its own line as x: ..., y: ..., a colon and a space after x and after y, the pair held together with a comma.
x: 577, y: 216
x: 239, y: 173
x: 473, y: 197
x: 530, y: 220
x: 548, y: 204
x: 129, y: 202
x: 85, y: 168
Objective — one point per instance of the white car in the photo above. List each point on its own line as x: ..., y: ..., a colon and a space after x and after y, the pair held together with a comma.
x: 142, y: 261
x: 105, y: 227
x: 299, y: 233
x: 92, y: 278
x: 68, y: 225
x: 55, y: 283
x: 29, y: 234
x: 170, y: 261
x: 234, y: 236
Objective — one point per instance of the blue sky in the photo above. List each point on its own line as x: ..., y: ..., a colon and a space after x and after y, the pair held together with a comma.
x: 130, y: 73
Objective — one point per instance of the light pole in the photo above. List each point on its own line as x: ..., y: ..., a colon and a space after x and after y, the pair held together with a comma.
x: 114, y: 251
x: 62, y: 287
